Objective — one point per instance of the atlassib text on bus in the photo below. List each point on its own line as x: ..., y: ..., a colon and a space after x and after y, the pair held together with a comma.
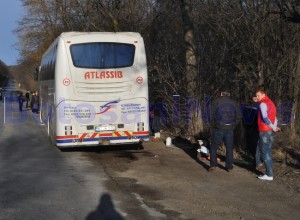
x: 103, y: 75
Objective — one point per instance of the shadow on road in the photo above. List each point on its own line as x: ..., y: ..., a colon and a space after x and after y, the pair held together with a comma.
x: 103, y: 148
x: 191, y: 149
x: 105, y: 210
x: 129, y: 151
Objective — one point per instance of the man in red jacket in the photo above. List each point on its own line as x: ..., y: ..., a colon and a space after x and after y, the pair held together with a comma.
x: 267, y: 125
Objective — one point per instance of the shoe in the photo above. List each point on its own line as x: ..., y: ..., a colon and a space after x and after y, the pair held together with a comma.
x: 212, y: 169
x: 265, y: 177
x: 229, y: 170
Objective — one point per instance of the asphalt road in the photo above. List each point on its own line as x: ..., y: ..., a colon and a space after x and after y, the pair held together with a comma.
x: 38, y: 181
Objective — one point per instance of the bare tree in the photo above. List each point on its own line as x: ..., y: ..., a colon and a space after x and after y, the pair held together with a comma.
x: 290, y: 10
x: 195, y: 125
x: 4, y: 74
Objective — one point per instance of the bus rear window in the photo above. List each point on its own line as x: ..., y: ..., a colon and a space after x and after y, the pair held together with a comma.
x: 102, y: 55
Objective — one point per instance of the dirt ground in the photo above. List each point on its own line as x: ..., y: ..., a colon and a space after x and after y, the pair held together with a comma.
x: 159, y: 182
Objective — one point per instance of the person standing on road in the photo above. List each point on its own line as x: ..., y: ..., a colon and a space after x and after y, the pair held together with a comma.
x: 27, y: 97
x: 267, y: 125
x: 21, y: 100
x: 156, y: 117
x: 225, y: 116
x: 32, y: 101
x: 36, y: 103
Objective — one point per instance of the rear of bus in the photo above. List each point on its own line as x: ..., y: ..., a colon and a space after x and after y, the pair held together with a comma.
x: 101, y: 87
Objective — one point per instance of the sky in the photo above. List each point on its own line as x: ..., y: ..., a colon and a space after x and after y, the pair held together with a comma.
x: 10, y: 13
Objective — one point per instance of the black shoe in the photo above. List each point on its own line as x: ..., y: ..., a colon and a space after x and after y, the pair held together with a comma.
x: 229, y: 170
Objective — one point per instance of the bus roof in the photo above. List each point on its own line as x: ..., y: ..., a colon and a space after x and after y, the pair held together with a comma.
x: 74, y: 34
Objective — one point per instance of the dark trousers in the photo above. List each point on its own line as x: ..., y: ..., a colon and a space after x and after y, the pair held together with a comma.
x: 218, y: 136
x: 21, y: 105
x: 156, y: 124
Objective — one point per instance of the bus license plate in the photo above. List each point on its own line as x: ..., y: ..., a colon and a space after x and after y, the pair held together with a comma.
x: 105, y: 128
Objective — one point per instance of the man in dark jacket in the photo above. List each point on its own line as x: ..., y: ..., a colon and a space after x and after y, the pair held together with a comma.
x: 225, y: 114
x: 21, y: 100
x: 27, y: 98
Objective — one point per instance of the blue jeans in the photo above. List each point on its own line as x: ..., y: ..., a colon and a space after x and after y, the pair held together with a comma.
x: 218, y: 136
x: 264, y: 151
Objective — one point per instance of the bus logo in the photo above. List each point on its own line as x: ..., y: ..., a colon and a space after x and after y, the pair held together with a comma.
x: 107, y: 106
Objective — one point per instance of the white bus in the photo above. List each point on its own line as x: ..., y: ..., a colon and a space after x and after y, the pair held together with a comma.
x: 94, y: 89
